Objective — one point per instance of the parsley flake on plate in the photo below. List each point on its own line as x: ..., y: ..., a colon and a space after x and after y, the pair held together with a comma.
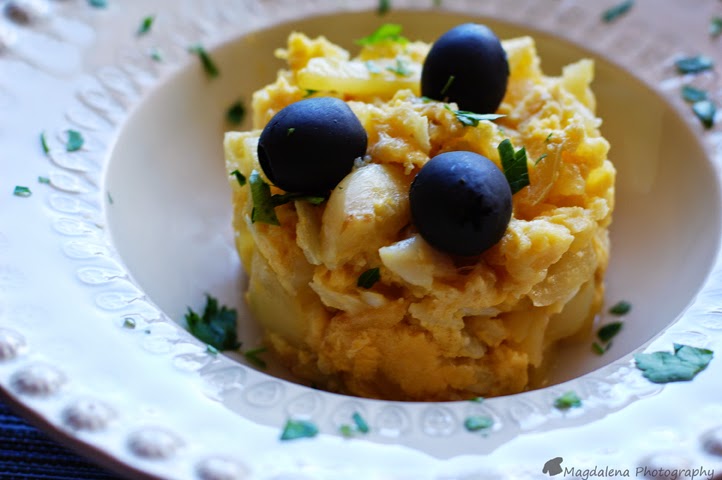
x: 44, y: 143
x: 75, y: 141
x: 715, y: 27
x: 609, y: 331
x: 471, y: 119
x: 475, y: 423
x: 388, y: 32
x: 514, y: 165
x: 692, y: 94
x: 208, y: 64
x: 262, y: 201
x: 98, y: 3
x: 369, y: 278
x: 129, y: 323
x: 360, y: 423
x: 681, y: 366
x: 216, y: 326
x: 253, y: 356
x: 236, y: 113
x: 21, y: 191
x: 705, y: 111
x: 44, y: 180
x: 695, y: 64
x: 155, y: 54
x: 617, y: 11
x: 295, y: 429
x: 568, y: 400
x: 600, y: 349
x: 145, y: 25
x: 620, y: 308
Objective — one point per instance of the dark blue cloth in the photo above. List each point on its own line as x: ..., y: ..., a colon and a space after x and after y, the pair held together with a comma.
x: 27, y: 453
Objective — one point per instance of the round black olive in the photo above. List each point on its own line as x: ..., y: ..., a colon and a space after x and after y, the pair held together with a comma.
x: 467, y: 65
x: 461, y: 203
x: 311, y: 145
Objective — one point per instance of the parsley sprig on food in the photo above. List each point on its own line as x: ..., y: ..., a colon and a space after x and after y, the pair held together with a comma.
x: 216, y: 326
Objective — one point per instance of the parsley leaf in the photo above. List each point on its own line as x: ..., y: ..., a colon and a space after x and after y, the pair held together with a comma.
x: 384, y: 7
x: 295, y: 429
x: 471, y: 119
x: 75, y: 141
x: 145, y: 25
x: 278, y: 200
x: 253, y: 356
x: 44, y: 180
x: 216, y: 327
x: 239, y: 177
x: 44, y: 143
x: 309, y: 93
x: 22, y: 191
x: 388, y: 32
x: 617, y: 11
x: 129, y: 323
x: 599, y: 349
x: 621, y: 308
x: 695, y: 64
x: 361, y: 424
x: 683, y: 365
x: 155, y: 54
x: 514, y: 165
x: 705, y: 111
x: 401, y: 68
x: 568, y: 400
x: 98, y: 3
x: 715, y: 27
x: 541, y: 157
x: 609, y: 331
x: 475, y: 423
x: 369, y: 278
x: 235, y: 113
x: 692, y: 94
x: 208, y: 65
x: 262, y: 201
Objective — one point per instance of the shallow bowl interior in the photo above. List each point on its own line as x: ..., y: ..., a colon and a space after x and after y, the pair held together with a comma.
x: 171, y: 212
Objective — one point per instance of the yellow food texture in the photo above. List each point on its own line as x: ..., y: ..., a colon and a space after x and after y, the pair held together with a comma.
x: 434, y: 327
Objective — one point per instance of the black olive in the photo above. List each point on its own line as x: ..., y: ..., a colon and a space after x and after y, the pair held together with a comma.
x: 311, y: 145
x: 467, y: 65
x: 461, y: 203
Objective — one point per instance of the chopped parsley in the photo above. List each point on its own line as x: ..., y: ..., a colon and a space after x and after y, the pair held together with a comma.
x: 401, y: 68
x: 110, y: 199
x: 44, y: 180
x: 75, y: 141
x: 155, y: 54
x: 346, y: 431
x: 617, y: 11
x: 477, y: 400
x: 262, y: 202
x: 696, y: 64
x: 388, y: 32
x: 549, y: 137
x: 290, y: 131
x: 620, y: 308
x: 98, y: 3
x: 211, y: 350
x: 715, y: 27
x: 282, y: 199
x: 372, y: 67
x: 44, y: 144
x: 310, y: 92
x: 369, y: 278
x: 145, y: 25
x: 448, y: 84
x: 541, y: 157
x: 568, y: 400
x: 295, y: 429
x: 692, y: 94
x: 360, y: 426
x: 599, y: 349
x: 475, y: 423
x: 705, y: 111
x: 129, y: 323
x: 208, y: 64
x: 514, y: 165
x: 216, y: 326
x: 236, y: 113
x: 239, y: 177
x: 384, y: 7
x: 253, y: 356
x: 20, y: 191
x: 471, y: 119
x: 609, y: 331
x: 683, y: 365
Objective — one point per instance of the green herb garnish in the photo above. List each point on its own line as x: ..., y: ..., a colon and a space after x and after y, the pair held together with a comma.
x: 216, y: 327
x: 155, y: 54
x: 44, y: 143
x: 388, y: 32
x: 44, y: 180
x: 692, y: 94
x: 22, y: 191
x: 478, y: 422
x: 471, y: 119
x: 282, y: 199
x: 253, y: 356
x: 569, y: 400
x: 208, y: 65
x: 369, y: 278
x: 599, y: 349
x: 240, y: 178
x: 541, y: 157
x: 361, y: 424
x: 715, y: 27
x: 384, y: 7
x: 447, y: 85
x: 401, y: 68
x: 372, y: 67
x: 696, y: 64
x: 477, y: 400
x: 98, y: 3
x: 145, y: 25
x: 683, y: 365
x: 211, y: 350
x: 129, y: 323
x: 75, y: 141
x: 309, y: 93
x: 296, y: 429
x: 290, y: 131
x: 110, y: 199
x: 235, y: 113
x: 346, y: 431
x: 514, y: 165
x: 609, y: 331
x: 621, y: 308
x: 705, y: 111
x: 549, y: 137
x: 262, y: 202
x: 617, y: 11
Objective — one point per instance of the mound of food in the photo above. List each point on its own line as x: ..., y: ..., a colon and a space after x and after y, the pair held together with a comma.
x: 379, y: 272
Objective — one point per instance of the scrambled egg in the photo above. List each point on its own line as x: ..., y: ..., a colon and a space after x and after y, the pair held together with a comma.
x: 434, y: 327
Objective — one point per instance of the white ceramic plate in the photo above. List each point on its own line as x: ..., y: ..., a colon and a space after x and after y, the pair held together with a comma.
x: 136, y: 226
